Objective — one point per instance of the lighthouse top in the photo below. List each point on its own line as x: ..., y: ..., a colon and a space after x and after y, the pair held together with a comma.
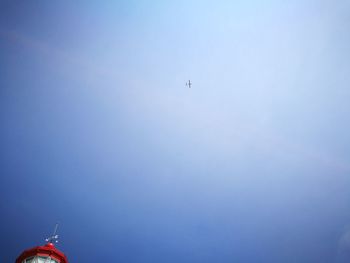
x: 42, y: 254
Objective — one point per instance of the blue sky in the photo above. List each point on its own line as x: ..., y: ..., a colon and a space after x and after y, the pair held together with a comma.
x: 99, y: 131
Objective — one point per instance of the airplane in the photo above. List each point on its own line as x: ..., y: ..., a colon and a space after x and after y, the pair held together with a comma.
x: 189, y: 83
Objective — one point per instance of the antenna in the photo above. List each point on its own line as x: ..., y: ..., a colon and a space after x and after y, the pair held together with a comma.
x: 54, y: 237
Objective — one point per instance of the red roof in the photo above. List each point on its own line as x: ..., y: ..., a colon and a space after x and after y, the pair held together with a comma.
x: 48, y: 250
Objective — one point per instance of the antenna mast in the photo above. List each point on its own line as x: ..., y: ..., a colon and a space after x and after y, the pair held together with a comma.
x: 54, y: 237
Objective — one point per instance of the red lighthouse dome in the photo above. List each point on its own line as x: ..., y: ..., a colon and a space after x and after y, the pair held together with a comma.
x: 43, y: 254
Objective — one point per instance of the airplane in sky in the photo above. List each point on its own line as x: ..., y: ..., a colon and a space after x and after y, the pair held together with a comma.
x: 189, y: 83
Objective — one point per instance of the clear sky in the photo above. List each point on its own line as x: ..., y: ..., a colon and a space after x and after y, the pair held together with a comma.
x: 99, y: 131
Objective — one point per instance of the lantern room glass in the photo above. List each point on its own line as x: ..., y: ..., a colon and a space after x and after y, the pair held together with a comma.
x: 39, y: 259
